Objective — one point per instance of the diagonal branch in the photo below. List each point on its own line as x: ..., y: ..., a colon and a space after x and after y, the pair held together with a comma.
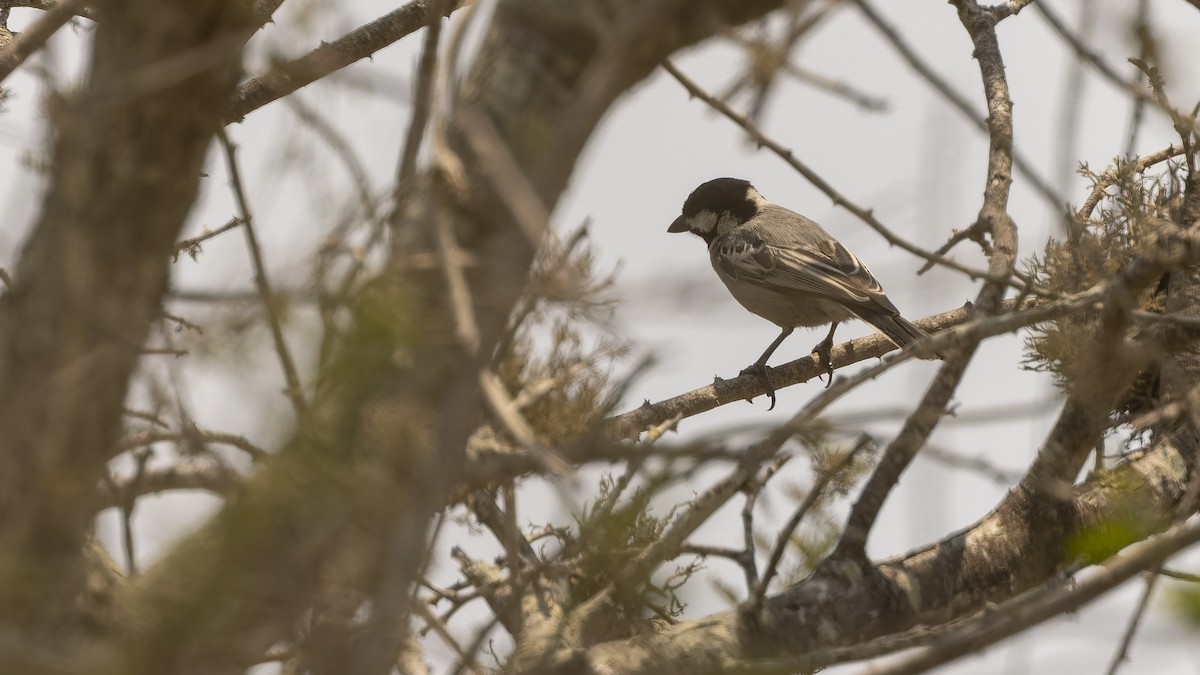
x: 1040, y: 605
x: 956, y: 100
x: 16, y: 52
x: 993, y: 218
x: 330, y: 57
x: 294, y: 391
x: 820, y: 622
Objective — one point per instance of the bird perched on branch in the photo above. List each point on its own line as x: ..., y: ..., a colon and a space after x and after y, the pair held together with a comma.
x: 786, y: 269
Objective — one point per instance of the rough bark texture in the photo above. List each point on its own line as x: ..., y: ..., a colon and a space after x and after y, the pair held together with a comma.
x: 1009, y: 551
x: 126, y: 165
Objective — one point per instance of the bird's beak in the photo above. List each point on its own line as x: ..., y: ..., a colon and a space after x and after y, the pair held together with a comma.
x: 680, y: 225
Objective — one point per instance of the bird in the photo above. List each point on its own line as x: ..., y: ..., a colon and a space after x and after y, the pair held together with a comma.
x: 786, y: 269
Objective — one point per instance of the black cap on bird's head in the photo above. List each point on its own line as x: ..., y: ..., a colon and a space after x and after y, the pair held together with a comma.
x: 720, y: 198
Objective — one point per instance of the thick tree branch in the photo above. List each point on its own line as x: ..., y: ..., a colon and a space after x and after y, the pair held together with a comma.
x: 128, y: 154
x: 820, y: 621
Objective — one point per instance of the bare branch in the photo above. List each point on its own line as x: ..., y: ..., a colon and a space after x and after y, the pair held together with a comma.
x: 1014, y: 616
x: 294, y: 391
x: 330, y: 57
x: 957, y: 101
x: 994, y: 219
x: 32, y: 39
x: 192, y: 246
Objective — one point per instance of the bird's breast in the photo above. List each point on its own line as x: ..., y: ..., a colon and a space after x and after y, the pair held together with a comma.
x: 782, y: 306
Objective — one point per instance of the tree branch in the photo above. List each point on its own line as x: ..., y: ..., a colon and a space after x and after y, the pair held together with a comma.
x: 330, y: 57
x: 127, y: 161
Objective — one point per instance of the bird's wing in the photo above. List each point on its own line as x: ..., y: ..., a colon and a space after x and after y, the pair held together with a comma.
x: 826, y: 269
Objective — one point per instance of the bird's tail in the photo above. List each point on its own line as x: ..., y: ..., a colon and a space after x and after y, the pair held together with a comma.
x: 899, y: 330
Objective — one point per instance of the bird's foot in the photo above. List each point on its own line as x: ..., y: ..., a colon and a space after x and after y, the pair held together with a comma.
x: 824, y: 352
x: 761, y: 370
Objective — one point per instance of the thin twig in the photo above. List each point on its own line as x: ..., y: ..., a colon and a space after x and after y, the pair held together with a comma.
x: 187, y: 474
x: 1145, y: 44
x: 785, y: 535
x: 190, y: 436
x: 1180, y: 576
x: 753, y: 489
x: 978, y: 465
x: 1068, y: 123
x: 294, y: 392
x: 423, y: 100
x: 1135, y: 620
x: 128, y: 501
x: 442, y: 631
x: 957, y: 101
x: 340, y: 145
x: 1089, y: 56
x: 192, y: 246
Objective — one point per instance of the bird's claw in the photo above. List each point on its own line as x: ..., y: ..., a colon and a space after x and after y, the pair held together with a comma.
x: 824, y: 352
x: 761, y: 370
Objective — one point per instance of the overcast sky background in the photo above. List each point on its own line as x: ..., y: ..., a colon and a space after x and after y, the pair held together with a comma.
x: 920, y: 165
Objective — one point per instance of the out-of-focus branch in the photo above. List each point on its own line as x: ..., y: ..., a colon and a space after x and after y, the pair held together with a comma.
x: 422, y: 106
x: 125, y: 168
x: 32, y: 39
x: 1090, y: 57
x: 294, y: 391
x: 191, y: 246
x: 330, y: 57
x: 186, y: 475
x: 385, y: 439
x: 189, y: 438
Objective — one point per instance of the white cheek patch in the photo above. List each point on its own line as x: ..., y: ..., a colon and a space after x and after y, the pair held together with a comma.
x: 704, y: 221
x: 756, y: 197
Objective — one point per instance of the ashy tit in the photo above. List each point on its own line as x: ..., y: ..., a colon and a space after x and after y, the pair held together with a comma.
x: 786, y: 268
